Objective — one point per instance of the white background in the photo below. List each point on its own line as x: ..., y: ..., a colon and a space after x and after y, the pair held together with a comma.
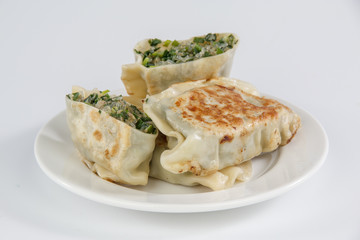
x: 305, y: 52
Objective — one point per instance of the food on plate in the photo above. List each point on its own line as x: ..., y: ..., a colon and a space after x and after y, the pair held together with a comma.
x: 185, y: 121
x: 114, y: 137
x: 219, y: 180
x: 159, y: 64
x: 217, y: 123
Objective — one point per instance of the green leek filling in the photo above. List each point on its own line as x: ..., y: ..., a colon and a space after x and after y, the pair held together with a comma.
x: 117, y: 108
x: 172, y: 52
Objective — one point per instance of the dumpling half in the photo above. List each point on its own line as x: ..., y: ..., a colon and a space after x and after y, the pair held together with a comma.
x: 159, y: 64
x: 114, y: 137
x: 217, y: 123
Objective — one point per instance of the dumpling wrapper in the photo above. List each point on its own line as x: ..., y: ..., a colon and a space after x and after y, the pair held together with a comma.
x: 217, y: 123
x: 110, y: 148
x: 140, y: 80
x: 218, y: 180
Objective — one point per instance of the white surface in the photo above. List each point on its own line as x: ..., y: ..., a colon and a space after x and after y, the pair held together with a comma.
x: 305, y: 52
x: 273, y: 173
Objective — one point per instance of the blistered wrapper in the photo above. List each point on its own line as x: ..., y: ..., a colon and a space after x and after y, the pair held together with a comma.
x: 111, y: 148
x: 214, y: 124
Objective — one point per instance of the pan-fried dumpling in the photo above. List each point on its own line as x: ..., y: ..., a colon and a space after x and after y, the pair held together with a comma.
x: 218, y: 180
x: 114, y: 137
x: 159, y: 64
x: 217, y: 123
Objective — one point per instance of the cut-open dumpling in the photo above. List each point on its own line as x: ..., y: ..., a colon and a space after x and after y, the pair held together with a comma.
x: 114, y: 137
x: 218, y: 180
x: 159, y: 64
x: 217, y: 123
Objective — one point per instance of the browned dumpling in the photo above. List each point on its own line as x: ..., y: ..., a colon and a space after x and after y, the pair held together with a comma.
x: 217, y: 123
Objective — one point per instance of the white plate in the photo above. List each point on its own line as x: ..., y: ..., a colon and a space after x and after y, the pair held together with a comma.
x: 273, y: 173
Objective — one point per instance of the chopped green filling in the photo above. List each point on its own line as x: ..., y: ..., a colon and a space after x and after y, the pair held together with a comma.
x: 211, y: 37
x: 167, y: 42
x: 117, y: 108
x: 92, y: 99
x: 175, y: 43
x: 172, y: 52
x: 219, y: 50
x: 154, y: 42
x: 75, y: 96
x: 199, y: 40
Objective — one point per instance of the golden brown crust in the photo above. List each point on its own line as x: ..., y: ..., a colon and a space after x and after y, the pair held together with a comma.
x: 94, y: 116
x: 97, y: 135
x: 226, y: 138
x: 225, y: 109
